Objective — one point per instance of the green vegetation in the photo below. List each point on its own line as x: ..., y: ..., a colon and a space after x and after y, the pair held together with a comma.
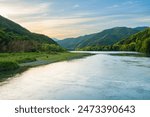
x: 15, y: 38
x: 139, y: 42
x: 96, y: 48
x: 12, y: 63
x: 146, y: 46
x: 105, y: 38
x: 7, y: 65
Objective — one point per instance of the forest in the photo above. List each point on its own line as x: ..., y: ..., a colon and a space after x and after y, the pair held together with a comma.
x: 139, y: 42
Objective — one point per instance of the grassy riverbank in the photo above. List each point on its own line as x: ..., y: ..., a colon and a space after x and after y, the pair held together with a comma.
x: 12, y: 63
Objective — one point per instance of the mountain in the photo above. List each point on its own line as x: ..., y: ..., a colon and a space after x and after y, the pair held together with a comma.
x: 55, y: 39
x: 72, y: 43
x: 106, y: 37
x: 141, y: 28
x: 138, y: 42
x: 14, y: 37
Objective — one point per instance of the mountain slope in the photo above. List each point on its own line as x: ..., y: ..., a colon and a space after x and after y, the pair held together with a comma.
x: 138, y: 42
x: 15, y: 37
x: 55, y: 39
x: 72, y: 43
x: 106, y: 37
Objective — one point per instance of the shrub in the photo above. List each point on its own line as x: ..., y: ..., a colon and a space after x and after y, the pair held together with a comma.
x: 7, y: 66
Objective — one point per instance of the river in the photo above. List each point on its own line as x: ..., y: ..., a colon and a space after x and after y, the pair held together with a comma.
x: 104, y: 76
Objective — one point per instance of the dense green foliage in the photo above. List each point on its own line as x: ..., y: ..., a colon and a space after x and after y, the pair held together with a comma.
x: 6, y: 66
x: 139, y: 42
x: 14, y: 38
x: 51, y: 48
x: 104, y: 38
x: 146, y: 46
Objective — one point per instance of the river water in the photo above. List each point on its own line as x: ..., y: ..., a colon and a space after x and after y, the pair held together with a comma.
x: 101, y: 76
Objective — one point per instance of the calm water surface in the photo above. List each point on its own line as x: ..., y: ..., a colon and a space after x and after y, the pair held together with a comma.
x: 101, y: 76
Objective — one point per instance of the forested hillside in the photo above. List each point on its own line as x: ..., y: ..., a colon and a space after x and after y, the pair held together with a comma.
x: 139, y: 42
x: 104, y: 38
x: 72, y: 43
x: 15, y: 38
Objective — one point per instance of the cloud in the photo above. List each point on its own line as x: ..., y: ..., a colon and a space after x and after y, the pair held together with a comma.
x: 145, y: 19
x: 124, y: 4
x: 19, y: 8
x: 66, y: 19
x: 76, y: 6
x: 53, y: 26
x: 75, y: 26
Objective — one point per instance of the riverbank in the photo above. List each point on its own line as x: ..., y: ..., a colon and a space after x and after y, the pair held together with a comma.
x: 13, y: 63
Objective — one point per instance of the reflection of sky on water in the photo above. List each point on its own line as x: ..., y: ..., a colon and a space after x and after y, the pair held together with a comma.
x: 101, y: 76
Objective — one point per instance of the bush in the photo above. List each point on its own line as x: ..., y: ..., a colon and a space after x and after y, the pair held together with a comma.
x: 7, y: 66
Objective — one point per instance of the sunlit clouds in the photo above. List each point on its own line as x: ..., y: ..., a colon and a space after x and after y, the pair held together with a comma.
x: 72, y: 18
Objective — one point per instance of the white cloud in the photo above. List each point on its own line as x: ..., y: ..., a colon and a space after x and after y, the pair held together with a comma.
x: 43, y: 17
x: 76, y: 6
x: 20, y: 8
x: 143, y: 19
x: 69, y: 27
x: 124, y: 4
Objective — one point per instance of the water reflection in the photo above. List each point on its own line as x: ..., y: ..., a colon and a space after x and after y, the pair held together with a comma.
x: 101, y: 76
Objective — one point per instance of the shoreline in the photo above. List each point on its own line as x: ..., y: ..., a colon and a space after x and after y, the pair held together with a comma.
x: 66, y: 56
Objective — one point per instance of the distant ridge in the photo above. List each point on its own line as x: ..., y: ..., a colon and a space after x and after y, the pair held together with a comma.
x: 106, y: 37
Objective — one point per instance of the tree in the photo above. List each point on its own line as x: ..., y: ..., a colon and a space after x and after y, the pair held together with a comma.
x: 131, y: 46
x: 146, y: 46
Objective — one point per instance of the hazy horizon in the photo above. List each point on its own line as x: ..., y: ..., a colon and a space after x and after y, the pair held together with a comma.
x: 69, y: 18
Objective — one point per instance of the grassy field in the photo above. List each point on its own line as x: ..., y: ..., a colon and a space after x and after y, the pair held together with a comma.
x: 12, y: 63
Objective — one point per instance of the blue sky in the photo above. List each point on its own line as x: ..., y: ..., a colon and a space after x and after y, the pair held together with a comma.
x: 72, y: 18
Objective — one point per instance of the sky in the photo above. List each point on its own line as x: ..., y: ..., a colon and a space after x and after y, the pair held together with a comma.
x: 72, y: 18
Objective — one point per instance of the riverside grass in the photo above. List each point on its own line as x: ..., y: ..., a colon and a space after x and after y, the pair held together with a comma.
x: 12, y: 63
